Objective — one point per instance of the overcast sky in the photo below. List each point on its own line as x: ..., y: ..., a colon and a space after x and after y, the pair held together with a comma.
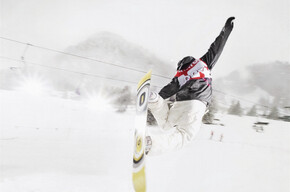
x: 170, y: 29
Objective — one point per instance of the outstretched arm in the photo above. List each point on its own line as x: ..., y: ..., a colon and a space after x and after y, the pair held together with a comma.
x: 216, y: 48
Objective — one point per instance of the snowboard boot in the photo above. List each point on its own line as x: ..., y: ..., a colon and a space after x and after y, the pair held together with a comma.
x: 153, y: 97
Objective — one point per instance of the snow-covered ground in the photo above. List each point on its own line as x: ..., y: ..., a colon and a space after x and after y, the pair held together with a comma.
x: 48, y: 144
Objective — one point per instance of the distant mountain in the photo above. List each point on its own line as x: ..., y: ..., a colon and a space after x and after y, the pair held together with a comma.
x: 113, y: 49
x: 266, y: 84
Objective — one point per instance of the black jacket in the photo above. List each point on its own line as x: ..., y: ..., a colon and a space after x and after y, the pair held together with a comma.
x: 201, y: 88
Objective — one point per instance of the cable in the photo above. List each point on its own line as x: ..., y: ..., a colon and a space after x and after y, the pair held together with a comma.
x: 71, y: 71
x: 108, y: 63
x: 109, y: 78
x: 80, y: 56
x: 240, y: 98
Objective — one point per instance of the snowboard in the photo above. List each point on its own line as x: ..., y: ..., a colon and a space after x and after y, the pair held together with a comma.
x: 139, y: 177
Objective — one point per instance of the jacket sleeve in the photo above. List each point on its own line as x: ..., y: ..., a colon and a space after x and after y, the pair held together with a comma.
x: 216, y: 48
x: 170, y: 89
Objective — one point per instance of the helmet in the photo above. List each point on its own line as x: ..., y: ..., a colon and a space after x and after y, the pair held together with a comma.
x: 185, y: 62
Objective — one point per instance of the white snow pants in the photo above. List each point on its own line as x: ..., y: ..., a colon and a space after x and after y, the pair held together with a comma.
x: 180, y: 124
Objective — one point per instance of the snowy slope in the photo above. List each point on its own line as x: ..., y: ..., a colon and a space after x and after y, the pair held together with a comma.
x: 50, y: 144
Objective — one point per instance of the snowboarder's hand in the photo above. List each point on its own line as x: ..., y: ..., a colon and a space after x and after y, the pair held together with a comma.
x: 229, y: 23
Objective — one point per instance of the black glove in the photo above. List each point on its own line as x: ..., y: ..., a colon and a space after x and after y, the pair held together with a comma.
x: 229, y: 23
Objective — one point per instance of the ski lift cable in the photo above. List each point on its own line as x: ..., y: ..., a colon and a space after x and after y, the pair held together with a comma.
x: 112, y: 64
x: 83, y: 57
x: 24, y: 52
x: 238, y: 98
x: 80, y: 56
x: 97, y: 76
x: 245, y: 100
x: 92, y: 59
x: 71, y: 71
x: 81, y: 73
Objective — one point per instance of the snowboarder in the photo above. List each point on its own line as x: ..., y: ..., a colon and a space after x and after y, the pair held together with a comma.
x: 181, y: 120
x: 211, y: 135
x: 221, y: 138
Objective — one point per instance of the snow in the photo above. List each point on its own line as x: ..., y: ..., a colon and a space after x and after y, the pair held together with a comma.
x: 48, y: 144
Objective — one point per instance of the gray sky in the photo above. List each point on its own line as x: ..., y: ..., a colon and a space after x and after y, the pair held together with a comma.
x: 169, y: 28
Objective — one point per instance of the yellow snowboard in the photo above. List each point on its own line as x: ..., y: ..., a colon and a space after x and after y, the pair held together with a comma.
x: 139, y: 177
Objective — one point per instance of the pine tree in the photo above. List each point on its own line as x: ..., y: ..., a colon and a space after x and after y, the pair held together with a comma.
x: 274, y: 114
x: 124, y: 99
x: 253, y: 111
x: 231, y: 108
x: 235, y: 109
x: 264, y: 102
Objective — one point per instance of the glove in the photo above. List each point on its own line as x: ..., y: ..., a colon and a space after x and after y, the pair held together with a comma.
x: 229, y: 23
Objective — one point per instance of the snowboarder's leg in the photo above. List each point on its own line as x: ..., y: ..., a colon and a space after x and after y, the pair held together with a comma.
x: 159, y: 109
x: 184, y: 122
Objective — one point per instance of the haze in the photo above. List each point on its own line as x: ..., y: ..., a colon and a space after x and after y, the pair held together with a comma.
x: 170, y: 29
